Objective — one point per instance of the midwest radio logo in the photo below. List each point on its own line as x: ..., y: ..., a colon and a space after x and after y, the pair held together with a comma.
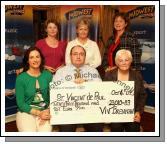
x: 142, y: 12
x: 79, y: 12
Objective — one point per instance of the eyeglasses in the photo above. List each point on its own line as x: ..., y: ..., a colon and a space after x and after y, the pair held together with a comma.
x: 78, y: 54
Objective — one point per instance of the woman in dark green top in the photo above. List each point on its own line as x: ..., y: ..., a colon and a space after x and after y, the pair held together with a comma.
x: 32, y: 94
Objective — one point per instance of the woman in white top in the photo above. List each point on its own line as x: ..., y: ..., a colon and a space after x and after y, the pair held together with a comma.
x: 93, y: 57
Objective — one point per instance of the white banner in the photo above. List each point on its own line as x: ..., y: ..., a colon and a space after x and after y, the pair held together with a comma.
x: 91, y: 102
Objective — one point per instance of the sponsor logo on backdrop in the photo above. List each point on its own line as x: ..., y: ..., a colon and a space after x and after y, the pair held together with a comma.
x: 15, y: 9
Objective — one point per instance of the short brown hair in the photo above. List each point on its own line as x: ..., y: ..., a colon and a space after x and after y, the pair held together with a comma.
x: 123, y: 16
x: 48, y: 21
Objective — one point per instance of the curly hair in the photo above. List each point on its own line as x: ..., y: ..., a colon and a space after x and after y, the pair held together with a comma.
x: 123, y: 52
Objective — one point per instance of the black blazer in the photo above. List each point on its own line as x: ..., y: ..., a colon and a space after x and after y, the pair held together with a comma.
x: 139, y: 91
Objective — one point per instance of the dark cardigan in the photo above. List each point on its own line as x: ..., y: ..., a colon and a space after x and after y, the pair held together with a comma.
x: 139, y: 91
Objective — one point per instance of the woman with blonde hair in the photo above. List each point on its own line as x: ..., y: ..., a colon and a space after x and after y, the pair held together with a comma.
x: 93, y: 57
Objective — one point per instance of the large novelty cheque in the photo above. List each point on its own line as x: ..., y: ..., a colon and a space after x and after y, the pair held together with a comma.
x: 91, y: 102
